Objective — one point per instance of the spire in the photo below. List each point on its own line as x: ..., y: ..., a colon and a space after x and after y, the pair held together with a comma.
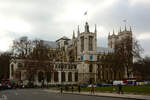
x: 86, y: 27
x: 109, y: 35
x: 130, y: 29
x: 120, y: 28
x: 95, y: 29
x: 113, y: 32
x: 73, y: 36
x: 125, y: 28
x: 78, y: 30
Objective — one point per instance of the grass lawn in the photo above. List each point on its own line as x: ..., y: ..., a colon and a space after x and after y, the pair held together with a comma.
x: 126, y: 89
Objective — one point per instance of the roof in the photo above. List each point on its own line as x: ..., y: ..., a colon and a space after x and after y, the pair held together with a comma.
x: 104, y: 50
x: 63, y: 38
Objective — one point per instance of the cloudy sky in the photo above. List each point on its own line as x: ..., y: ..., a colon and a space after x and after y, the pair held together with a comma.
x: 52, y: 19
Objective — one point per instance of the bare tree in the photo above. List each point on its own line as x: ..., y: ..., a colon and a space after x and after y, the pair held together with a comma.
x: 34, y: 54
x: 22, y: 47
x: 127, y: 50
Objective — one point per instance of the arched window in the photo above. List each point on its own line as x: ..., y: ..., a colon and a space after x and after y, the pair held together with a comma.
x: 63, y: 76
x: 56, y: 76
x: 82, y: 44
x: 70, y: 76
x: 76, y: 76
x: 90, y: 43
x: 40, y: 76
x: 90, y: 68
x: 48, y: 76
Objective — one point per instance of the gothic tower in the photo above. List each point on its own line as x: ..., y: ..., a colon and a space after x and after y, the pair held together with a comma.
x: 86, y: 54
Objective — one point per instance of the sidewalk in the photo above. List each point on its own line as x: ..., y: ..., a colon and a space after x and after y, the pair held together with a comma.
x: 113, y: 95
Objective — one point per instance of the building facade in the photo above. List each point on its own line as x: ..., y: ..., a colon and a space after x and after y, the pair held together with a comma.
x: 74, y: 61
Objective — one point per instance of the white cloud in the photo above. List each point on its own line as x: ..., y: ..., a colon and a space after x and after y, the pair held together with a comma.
x: 135, y: 2
x: 52, y: 19
x: 144, y: 36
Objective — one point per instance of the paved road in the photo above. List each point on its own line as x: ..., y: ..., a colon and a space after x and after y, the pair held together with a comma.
x: 39, y: 94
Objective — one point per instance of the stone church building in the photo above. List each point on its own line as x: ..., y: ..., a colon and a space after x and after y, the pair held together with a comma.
x: 74, y: 61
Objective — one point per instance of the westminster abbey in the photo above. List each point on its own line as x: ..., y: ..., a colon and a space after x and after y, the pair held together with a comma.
x: 76, y: 60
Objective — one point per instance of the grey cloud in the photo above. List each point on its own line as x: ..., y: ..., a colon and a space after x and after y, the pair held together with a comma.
x: 42, y: 14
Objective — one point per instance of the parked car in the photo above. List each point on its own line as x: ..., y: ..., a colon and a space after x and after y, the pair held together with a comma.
x: 107, y: 84
x: 117, y: 82
x: 83, y: 85
x: 98, y: 84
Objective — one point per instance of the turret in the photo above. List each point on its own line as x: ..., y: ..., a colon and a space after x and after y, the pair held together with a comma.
x: 120, y: 29
x: 113, y: 32
x: 73, y: 36
x: 78, y: 30
x: 95, y: 29
x: 130, y: 29
x: 86, y: 27
x: 125, y: 28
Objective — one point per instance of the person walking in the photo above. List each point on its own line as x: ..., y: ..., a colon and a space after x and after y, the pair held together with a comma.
x: 61, y: 90
x: 92, y: 89
x: 72, y: 88
x: 120, y: 89
x: 79, y: 88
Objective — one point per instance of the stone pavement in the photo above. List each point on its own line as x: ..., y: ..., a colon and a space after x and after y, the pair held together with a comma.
x: 113, y: 95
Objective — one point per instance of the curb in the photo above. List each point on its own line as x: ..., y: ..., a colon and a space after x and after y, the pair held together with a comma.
x: 132, y: 98
x: 103, y: 96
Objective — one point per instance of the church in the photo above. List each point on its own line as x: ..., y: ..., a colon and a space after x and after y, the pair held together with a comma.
x: 74, y: 61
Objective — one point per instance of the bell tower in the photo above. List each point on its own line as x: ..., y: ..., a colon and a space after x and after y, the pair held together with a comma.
x: 86, y: 54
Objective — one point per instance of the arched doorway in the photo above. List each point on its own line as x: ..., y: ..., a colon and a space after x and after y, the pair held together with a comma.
x: 40, y: 76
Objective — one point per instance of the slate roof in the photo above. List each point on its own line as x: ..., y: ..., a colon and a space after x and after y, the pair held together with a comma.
x: 63, y: 38
x: 104, y: 50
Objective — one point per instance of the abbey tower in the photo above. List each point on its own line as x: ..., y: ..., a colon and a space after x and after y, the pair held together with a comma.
x: 86, y: 54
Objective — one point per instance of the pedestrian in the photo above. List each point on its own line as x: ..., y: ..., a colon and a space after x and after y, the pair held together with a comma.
x: 79, y: 88
x: 120, y: 89
x: 61, y: 90
x: 42, y: 84
x: 92, y: 89
x: 72, y: 88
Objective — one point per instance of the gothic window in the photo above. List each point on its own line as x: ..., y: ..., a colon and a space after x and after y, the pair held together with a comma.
x: 82, y: 44
x: 90, y: 68
x: 70, y: 76
x: 111, y: 44
x: 90, y: 43
x: 63, y: 76
x: 56, y: 76
x: 12, y: 70
x: 76, y: 76
x: 48, y: 76
x: 40, y: 76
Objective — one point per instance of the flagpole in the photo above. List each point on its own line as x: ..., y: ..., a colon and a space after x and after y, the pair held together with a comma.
x: 86, y: 16
x: 125, y: 21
